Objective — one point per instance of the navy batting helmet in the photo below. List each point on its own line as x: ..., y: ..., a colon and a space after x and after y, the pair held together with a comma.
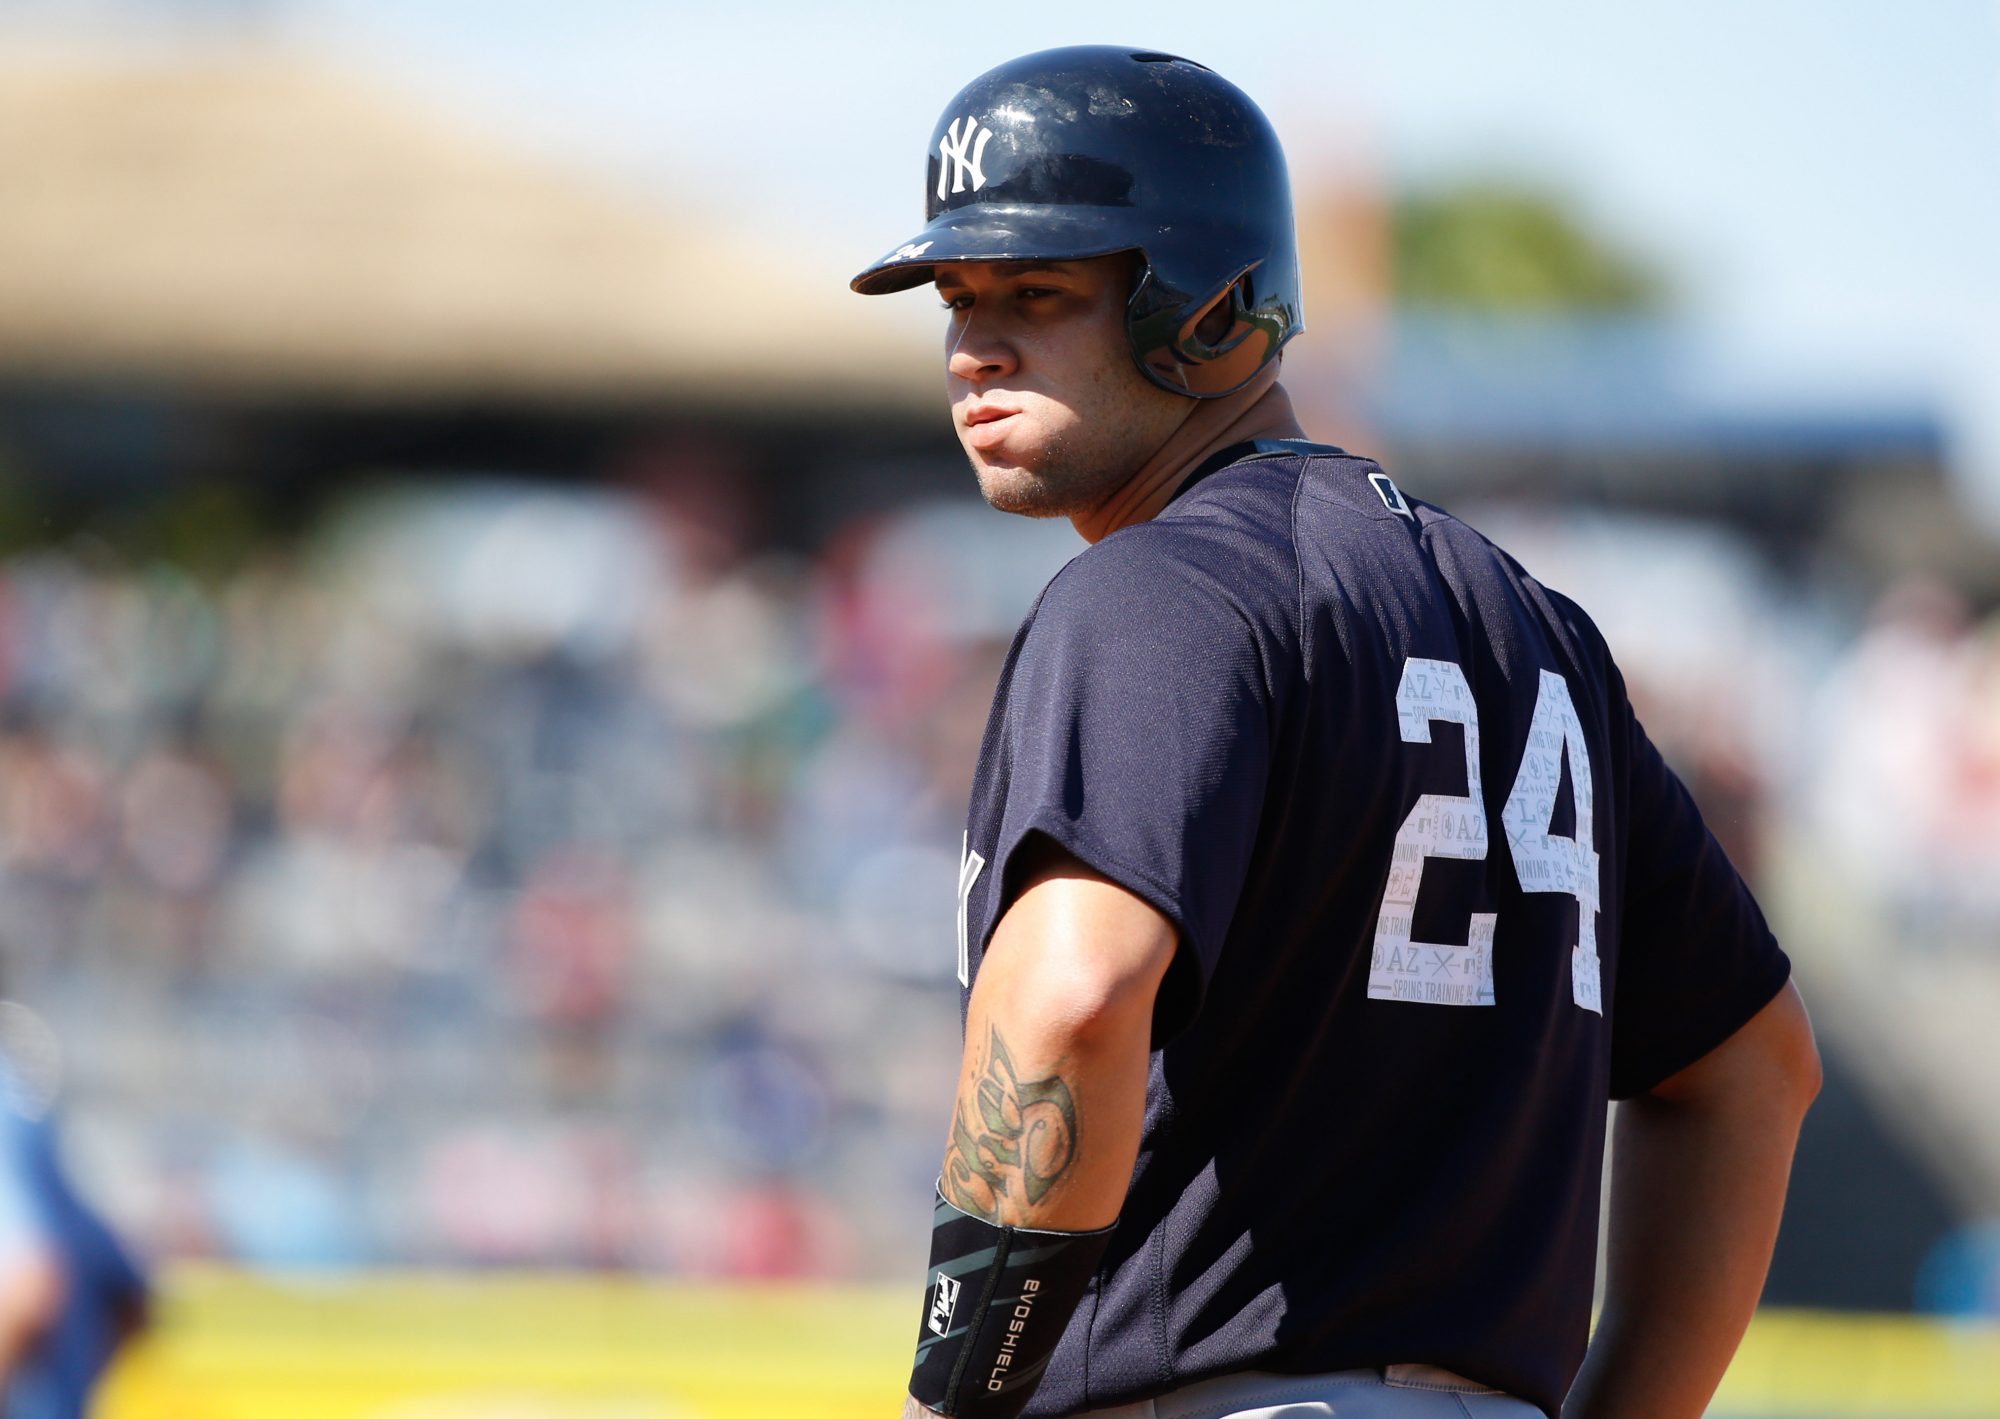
x: 1095, y: 149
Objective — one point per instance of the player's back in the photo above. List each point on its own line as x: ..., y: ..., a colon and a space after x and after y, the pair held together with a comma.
x: 1391, y: 968
x: 1375, y: 1125
x: 1487, y: 703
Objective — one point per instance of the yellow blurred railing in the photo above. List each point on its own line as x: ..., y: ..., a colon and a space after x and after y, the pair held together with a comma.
x: 507, y: 1345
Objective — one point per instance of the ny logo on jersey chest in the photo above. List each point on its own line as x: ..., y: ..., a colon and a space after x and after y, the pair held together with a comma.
x: 969, y: 863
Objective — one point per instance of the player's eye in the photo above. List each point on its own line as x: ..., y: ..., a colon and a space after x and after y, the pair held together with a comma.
x: 957, y: 302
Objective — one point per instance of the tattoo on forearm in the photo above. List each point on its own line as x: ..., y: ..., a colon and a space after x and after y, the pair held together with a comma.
x: 1013, y: 1139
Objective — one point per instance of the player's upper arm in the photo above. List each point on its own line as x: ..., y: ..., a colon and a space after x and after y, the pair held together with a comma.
x: 1089, y: 949
x: 1696, y: 960
x: 1771, y: 1061
x: 1138, y: 735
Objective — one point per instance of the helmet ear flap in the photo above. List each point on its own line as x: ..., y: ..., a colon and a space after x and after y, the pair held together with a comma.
x: 1204, y: 347
x: 1219, y: 324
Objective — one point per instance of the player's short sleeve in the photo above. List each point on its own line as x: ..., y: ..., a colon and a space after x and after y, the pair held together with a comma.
x: 1138, y: 738
x: 1696, y: 959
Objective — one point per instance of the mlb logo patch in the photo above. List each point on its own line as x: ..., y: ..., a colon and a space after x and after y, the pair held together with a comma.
x: 943, y: 1302
x: 1391, y: 495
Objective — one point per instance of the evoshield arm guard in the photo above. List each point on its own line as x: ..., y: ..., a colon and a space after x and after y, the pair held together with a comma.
x: 998, y: 1301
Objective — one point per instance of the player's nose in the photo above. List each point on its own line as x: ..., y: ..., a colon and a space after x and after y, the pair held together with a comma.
x: 975, y: 352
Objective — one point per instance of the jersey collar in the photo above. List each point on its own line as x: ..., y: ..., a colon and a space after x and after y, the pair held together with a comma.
x: 1249, y: 449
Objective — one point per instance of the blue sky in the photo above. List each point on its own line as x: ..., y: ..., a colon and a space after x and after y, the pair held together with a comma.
x: 1822, y: 179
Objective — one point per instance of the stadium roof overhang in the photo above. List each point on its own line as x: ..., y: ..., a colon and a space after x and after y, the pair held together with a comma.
x: 253, y: 225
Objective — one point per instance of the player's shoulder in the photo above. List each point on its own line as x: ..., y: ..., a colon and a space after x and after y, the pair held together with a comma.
x: 1563, y: 610
x: 1573, y: 631
x: 1197, y: 568
x: 1147, y: 570
x: 1198, y: 582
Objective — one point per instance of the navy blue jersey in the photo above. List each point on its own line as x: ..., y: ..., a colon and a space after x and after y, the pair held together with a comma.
x: 1439, y: 900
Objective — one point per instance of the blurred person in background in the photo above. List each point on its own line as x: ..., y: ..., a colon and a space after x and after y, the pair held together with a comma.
x: 70, y: 1295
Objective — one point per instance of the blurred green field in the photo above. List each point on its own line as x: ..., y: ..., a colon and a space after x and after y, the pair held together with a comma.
x: 505, y: 1345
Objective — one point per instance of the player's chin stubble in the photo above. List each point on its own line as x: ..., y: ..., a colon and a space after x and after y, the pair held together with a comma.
x: 1069, y: 471
x: 1061, y: 485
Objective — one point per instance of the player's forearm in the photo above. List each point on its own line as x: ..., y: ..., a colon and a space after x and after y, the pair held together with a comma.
x: 1044, y: 1132
x: 1698, y: 1184
x: 1052, y: 1088
x: 1695, y: 1210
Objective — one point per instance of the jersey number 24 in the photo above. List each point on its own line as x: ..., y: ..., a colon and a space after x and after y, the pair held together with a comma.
x: 1448, y: 825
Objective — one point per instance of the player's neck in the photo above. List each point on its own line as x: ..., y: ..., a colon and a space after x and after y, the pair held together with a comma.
x: 1262, y: 410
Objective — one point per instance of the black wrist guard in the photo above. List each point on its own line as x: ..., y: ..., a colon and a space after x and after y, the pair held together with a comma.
x: 997, y: 1304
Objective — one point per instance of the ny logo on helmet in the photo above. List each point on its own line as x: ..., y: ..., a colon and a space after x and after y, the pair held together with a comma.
x: 951, y: 152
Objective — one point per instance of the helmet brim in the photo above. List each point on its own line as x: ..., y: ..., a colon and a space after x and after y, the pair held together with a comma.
x: 994, y: 233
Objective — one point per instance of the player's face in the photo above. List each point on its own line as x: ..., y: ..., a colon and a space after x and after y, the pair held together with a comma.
x: 1045, y: 398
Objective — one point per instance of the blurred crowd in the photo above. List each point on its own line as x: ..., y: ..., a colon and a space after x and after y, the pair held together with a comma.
x: 1908, y: 792
x: 513, y: 874
x: 491, y: 880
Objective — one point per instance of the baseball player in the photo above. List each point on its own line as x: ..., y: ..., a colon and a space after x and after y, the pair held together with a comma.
x: 70, y: 1294
x: 1319, y: 887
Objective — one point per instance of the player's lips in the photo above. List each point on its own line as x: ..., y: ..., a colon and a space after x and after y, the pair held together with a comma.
x: 986, y: 424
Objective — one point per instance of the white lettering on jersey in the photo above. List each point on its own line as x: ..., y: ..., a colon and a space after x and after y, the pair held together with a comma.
x: 1545, y: 863
x: 969, y: 863
x: 952, y: 154
x: 1441, y: 825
